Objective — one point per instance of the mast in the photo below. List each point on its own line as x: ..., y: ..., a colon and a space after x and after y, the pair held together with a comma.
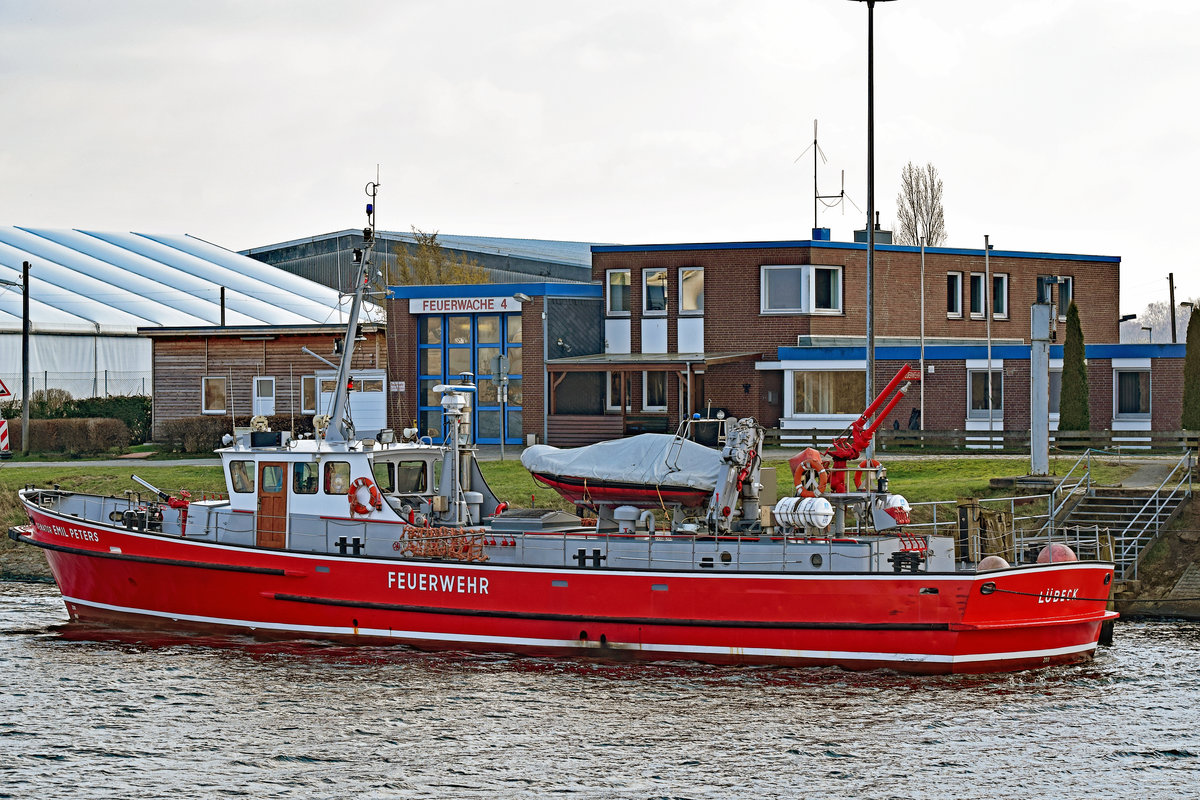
x: 341, y: 428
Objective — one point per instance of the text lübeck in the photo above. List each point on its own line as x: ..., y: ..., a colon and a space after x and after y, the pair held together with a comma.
x: 1058, y: 595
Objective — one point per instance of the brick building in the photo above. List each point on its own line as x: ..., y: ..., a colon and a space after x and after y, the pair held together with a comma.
x: 776, y: 330
x: 438, y: 333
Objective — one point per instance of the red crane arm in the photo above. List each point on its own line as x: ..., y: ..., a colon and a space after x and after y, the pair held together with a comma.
x: 862, y: 430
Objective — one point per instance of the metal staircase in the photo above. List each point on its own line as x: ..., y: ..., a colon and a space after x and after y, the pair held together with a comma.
x: 1131, y: 517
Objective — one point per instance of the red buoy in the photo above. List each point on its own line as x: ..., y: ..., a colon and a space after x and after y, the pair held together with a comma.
x: 1055, y: 552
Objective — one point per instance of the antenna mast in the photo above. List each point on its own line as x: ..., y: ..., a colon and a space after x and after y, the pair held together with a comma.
x: 817, y: 196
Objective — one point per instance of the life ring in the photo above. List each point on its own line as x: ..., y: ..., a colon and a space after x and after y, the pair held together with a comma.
x: 356, y: 505
x: 866, y: 463
x: 811, y: 477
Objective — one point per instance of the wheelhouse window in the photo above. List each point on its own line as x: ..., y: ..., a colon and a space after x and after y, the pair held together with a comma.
x: 954, y: 295
x: 654, y: 291
x: 272, y: 478
x: 782, y: 290
x: 1132, y: 393
x: 977, y: 295
x: 691, y: 290
x: 830, y: 392
x: 618, y: 292
x: 304, y: 478
x: 241, y: 476
x: 337, y: 477
x: 654, y: 391
x: 977, y: 393
x: 213, y: 395
x: 383, y: 472
x: 411, y: 477
x: 1000, y: 296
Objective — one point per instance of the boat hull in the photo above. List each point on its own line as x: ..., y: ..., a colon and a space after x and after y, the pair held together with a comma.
x: 590, y: 491
x: 1006, y: 620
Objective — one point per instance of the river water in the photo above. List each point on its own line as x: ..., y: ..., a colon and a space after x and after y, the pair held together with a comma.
x: 92, y: 712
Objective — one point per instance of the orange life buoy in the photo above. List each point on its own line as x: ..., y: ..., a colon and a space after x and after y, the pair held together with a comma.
x: 356, y: 505
x: 864, y: 464
x: 810, y: 475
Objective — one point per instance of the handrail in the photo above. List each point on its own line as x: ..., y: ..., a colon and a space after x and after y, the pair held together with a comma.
x: 1133, y: 543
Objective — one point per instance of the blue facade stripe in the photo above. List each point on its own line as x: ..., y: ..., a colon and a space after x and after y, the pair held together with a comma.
x: 497, y: 290
x: 1016, y: 352
x: 819, y: 245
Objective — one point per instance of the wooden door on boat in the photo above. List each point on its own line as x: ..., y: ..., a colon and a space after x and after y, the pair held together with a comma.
x: 272, y: 504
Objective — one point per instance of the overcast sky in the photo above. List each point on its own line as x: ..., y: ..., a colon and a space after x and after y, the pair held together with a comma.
x: 1064, y: 126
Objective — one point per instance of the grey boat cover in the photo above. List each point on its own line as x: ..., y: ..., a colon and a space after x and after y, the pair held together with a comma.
x: 652, y: 459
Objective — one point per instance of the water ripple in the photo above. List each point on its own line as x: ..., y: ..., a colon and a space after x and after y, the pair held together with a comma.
x: 126, y: 713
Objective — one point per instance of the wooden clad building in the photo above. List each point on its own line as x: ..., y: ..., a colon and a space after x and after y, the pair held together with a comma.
x: 239, y: 372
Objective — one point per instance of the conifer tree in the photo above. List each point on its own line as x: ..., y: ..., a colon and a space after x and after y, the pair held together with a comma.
x: 1191, y: 375
x: 1073, y: 391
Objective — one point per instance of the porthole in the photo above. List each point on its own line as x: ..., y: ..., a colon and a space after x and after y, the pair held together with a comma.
x: 816, y: 560
x: 726, y: 557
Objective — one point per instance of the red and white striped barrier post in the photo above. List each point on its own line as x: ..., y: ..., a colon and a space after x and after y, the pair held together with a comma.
x: 5, y: 452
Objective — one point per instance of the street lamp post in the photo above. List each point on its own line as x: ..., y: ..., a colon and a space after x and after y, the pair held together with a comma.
x: 870, y: 204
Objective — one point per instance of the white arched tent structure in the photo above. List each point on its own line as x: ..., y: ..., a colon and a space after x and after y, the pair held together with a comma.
x: 90, y: 291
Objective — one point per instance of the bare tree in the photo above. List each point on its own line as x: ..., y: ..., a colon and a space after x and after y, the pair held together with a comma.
x: 919, y: 212
x: 426, y: 262
x: 1157, y: 317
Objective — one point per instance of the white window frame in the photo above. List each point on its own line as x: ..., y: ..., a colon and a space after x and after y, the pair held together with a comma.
x: 792, y: 419
x: 646, y: 392
x: 957, y: 311
x: 971, y: 295
x: 691, y: 312
x: 1002, y: 278
x: 608, y: 292
x: 1127, y: 415
x: 609, y: 390
x: 311, y: 381
x: 204, y: 394
x: 1069, y: 282
x: 656, y: 312
x: 982, y: 413
x: 812, y: 289
x: 763, y: 308
x: 1056, y: 366
x: 257, y: 402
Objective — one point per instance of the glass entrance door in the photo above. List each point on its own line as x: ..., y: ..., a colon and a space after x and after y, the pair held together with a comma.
x: 479, y: 344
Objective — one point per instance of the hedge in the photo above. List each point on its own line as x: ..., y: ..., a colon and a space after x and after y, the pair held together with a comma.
x: 194, y: 434
x: 71, y: 436
x: 46, y: 404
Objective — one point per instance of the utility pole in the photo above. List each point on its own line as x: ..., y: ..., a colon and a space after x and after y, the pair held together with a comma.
x: 1171, y: 284
x: 987, y: 316
x: 25, y: 358
x: 870, y: 208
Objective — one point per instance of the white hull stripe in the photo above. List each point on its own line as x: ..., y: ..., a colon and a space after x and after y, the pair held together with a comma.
x: 429, y: 636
